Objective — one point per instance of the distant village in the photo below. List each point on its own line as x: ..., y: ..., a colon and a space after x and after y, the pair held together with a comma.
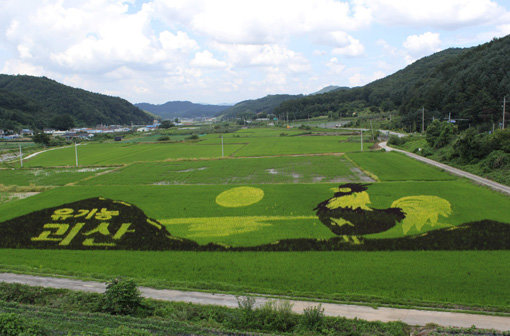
x: 89, y: 133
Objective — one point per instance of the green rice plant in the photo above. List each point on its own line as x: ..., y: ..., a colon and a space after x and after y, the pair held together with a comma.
x: 118, y: 153
x: 433, y: 278
x: 392, y: 166
x: 299, y: 169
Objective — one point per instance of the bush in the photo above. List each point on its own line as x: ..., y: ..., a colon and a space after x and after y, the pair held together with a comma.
x: 313, y: 317
x: 276, y: 315
x: 496, y: 160
x: 122, y: 297
x: 14, y: 325
x: 193, y: 137
x: 164, y: 138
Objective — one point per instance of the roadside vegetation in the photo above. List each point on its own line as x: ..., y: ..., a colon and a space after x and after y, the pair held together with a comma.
x: 286, y: 177
x: 482, y: 153
x: 121, y: 311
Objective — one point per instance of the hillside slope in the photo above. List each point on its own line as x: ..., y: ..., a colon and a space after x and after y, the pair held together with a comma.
x: 182, y: 109
x: 35, y: 102
x: 469, y: 83
x: 253, y: 107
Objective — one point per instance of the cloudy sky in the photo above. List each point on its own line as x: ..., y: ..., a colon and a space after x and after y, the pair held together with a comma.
x: 224, y: 51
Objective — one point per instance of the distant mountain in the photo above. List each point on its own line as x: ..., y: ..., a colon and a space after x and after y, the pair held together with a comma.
x: 469, y: 83
x: 330, y: 88
x: 251, y: 108
x: 38, y: 102
x: 182, y: 109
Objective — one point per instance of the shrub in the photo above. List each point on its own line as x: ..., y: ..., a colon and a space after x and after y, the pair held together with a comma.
x: 14, y: 325
x: 245, y: 303
x: 313, y: 317
x: 121, y: 297
x: 496, y: 160
x: 193, y: 137
x: 277, y: 316
x: 164, y: 138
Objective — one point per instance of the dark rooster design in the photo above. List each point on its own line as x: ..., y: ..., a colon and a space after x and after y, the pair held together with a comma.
x: 347, y: 213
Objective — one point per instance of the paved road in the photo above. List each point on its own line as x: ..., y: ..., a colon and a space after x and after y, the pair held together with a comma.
x: 480, y: 180
x: 409, y: 316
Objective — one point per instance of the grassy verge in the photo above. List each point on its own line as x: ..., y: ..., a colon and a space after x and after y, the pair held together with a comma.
x: 474, y: 279
x: 58, y: 311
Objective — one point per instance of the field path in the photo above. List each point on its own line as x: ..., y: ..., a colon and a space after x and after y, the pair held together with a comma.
x: 480, y: 180
x: 409, y: 316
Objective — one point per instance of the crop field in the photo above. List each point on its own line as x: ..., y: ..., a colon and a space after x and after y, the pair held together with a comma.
x: 393, y: 166
x: 114, y: 154
x: 290, y: 169
x: 316, y: 194
x: 46, y: 176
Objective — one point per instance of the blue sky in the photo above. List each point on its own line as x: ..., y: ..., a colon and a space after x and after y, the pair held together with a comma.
x: 225, y: 51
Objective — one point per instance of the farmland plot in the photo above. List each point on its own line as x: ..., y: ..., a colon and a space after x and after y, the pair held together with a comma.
x: 280, y: 203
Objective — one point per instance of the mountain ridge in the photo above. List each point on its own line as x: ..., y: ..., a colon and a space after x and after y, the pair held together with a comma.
x: 38, y: 102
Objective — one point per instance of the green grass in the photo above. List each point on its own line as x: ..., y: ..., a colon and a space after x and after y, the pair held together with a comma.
x: 45, y: 177
x: 464, y: 278
x: 234, y: 171
x: 285, y: 211
x: 299, y: 145
x: 468, y: 203
x: 392, y: 166
x: 118, y: 153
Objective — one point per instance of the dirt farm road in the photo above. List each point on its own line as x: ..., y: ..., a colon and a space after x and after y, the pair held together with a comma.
x: 409, y: 316
x: 480, y: 180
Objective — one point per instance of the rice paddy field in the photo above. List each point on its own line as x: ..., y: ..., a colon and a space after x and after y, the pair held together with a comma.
x: 266, y: 188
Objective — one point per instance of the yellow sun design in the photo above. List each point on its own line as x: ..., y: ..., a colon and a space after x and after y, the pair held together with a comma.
x: 239, y: 197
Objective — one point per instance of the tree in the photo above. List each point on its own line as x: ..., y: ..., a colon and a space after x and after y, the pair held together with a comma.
x: 121, y: 297
x: 166, y: 124
x: 41, y: 138
x: 62, y: 122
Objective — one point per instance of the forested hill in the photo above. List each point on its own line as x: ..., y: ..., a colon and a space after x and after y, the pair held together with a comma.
x: 251, y: 108
x: 182, y: 109
x: 468, y: 83
x: 37, y: 102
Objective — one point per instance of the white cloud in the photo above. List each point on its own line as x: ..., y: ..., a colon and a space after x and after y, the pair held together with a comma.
x: 343, y: 43
x: 450, y: 14
x: 263, y: 21
x: 422, y: 45
x: 335, y: 66
x: 263, y: 55
x: 377, y: 75
x: 205, y: 59
x: 17, y: 67
x: 356, y: 80
x: 177, y: 42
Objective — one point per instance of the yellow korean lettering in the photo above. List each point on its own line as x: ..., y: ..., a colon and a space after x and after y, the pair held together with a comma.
x: 90, y: 242
x: 61, y: 229
x: 61, y: 214
x: 122, y: 231
x: 102, y: 228
x: 74, y: 231
x: 104, y: 214
x: 91, y: 213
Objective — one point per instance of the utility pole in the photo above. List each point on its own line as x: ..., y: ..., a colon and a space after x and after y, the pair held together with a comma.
x: 423, y: 119
x: 222, y: 146
x: 361, y: 134
x: 76, y: 153
x: 20, y: 156
x: 504, y: 107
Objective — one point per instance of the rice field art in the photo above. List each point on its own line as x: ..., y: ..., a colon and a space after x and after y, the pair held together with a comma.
x: 247, y: 218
